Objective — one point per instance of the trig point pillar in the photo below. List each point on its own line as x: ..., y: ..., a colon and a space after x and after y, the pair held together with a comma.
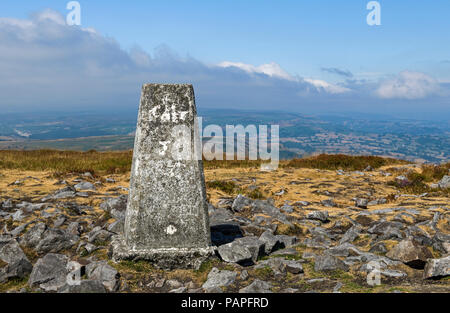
x: 167, y: 215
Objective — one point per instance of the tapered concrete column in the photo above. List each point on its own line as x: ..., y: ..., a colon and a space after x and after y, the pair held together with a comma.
x: 167, y: 215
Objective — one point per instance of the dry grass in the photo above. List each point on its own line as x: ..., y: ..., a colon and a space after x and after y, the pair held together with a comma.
x: 67, y: 161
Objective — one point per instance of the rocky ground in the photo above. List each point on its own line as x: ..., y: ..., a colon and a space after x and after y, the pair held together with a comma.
x: 290, y: 230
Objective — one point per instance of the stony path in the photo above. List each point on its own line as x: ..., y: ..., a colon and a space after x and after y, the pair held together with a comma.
x: 311, y: 231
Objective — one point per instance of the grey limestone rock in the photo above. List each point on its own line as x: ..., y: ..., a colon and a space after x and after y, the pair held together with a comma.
x: 217, y: 278
x: 50, y: 272
x: 437, y: 268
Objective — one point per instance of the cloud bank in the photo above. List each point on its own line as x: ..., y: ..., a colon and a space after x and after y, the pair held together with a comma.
x: 408, y: 85
x: 46, y: 64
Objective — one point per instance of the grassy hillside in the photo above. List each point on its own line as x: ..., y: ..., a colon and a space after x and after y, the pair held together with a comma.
x: 120, y: 161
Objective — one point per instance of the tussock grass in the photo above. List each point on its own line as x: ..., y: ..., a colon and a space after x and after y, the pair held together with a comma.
x: 343, y: 162
x: 225, y: 186
x: 417, y: 181
x: 431, y: 172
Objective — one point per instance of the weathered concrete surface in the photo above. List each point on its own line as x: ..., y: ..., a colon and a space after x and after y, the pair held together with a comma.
x: 167, y: 216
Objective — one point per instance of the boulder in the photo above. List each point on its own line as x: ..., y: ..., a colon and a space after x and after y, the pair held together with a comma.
x: 50, y: 272
x: 361, y: 203
x: 281, y: 266
x: 115, y: 206
x: 234, y: 252
x: 441, y: 242
x: 55, y: 240
x: 386, y: 230
x: 287, y: 241
x: 18, y: 265
x: 84, y: 185
x: 437, y: 268
x: 98, y: 235
x: 104, y: 273
x: 240, y: 203
x: 217, y: 279
x: 351, y: 234
x: 64, y: 193
x: 254, y: 245
x: 11, y: 252
x: 318, y: 215
x: 410, y: 253
x: 257, y: 286
x: 329, y: 263
x: 271, y: 242
x: 444, y: 182
x: 17, y: 269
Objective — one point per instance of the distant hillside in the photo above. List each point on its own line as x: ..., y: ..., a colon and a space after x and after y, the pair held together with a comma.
x: 300, y: 135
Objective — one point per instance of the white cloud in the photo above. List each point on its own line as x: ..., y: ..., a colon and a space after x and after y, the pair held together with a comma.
x: 408, y: 85
x: 327, y: 87
x: 275, y: 70
x: 270, y: 69
x: 50, y: 15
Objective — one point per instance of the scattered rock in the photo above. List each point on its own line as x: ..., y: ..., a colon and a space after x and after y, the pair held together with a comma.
x: 258, y: 286
x: 328, y: 203
x: 329, y: 263
x: 104, y: 273
x: 18, y: 265
x: 281, y: 266
x: 318, y: 215
x: 287, y: 241
x: 240, y: 203
x: 55, y: 240
x: 115, y: 206
x: 437, y: 268
x: 244, y: 275
x: 444, y: 182
x: 350, y: 235
x: 386, y: 230
x: 254, y: 245
x: 379, y: 247
x: 67, y: 192
x: 217, y: 278
x: 50, y: 272
x: 234, y: 252
x: 271, y: 242
x: 410, y: 253
x: 84, y: 186
x: 85, y: 286
x: 361, y: 203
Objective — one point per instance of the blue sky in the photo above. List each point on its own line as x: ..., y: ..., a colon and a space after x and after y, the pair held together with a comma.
x: 322, y: 55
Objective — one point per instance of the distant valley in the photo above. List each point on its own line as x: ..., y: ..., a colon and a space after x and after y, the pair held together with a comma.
x: 300, y: 135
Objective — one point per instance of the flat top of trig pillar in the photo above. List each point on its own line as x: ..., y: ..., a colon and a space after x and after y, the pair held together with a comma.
x: 163, y: 85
